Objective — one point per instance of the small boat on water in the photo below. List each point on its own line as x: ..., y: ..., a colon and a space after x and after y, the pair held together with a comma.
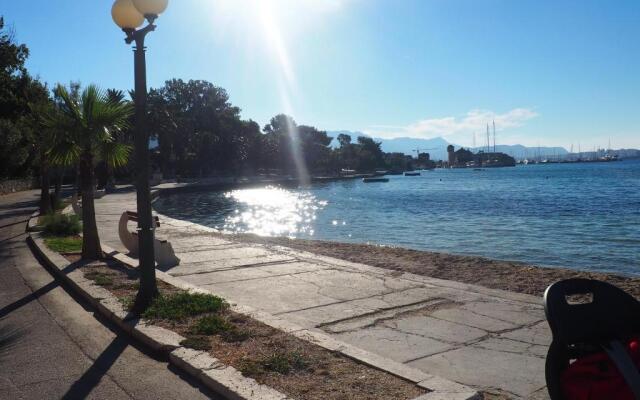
x: 412, y: 173
x: 374, y: 179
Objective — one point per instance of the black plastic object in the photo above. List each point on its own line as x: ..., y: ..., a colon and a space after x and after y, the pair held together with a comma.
x: 588, y: 316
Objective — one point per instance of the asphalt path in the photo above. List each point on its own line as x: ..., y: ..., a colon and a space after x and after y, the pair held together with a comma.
x: 53, y: 346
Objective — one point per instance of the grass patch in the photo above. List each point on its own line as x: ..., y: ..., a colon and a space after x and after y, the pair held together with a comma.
x: 69, y: 244
x: 178, y: 306
x: 99, y: 278
x: 127, y: 302
x: 235, y: 335
x: 196, y: 343
x: 211, y: 325
x: 61, y: 225
x: 219, y: 325
x: 282, y: 363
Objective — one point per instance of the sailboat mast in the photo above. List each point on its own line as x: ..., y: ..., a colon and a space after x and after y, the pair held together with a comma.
x: 488, y: 140
x: 494, y: 135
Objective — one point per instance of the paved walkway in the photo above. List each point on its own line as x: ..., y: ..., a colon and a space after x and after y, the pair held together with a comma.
x: 51, y: 347
x: 488, y: 339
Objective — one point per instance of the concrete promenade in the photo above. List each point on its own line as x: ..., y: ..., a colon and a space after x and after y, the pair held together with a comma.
x: 488, y: 339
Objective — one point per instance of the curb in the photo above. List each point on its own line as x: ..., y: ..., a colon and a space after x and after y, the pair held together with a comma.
x: 222, y: 379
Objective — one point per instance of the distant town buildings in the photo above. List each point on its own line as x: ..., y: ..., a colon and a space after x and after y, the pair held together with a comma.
x: 463, y: 158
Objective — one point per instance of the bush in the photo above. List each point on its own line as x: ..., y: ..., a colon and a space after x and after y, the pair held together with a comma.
x: 61, y: 225
x: 59, y: 204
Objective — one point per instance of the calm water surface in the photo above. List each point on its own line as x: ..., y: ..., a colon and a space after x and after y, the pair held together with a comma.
x: 584, y: 216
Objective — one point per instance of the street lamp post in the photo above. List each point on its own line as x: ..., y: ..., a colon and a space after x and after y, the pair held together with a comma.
x: 130, y: 15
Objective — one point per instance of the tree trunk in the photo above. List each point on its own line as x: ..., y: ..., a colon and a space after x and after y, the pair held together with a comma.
x: 110, y: 186
x: 45, y: 198
x: 58, y: 185
x: 91, y: 249
x: 77, y: 187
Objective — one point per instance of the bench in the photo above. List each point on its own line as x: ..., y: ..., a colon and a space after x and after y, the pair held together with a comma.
x: 162, y: 249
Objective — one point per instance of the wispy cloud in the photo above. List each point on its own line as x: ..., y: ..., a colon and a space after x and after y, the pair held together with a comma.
x: 473, y: 121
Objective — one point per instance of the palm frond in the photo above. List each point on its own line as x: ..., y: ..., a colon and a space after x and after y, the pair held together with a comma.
x: 64, y: 153
x: 116, y: 154
x: 69, y: 107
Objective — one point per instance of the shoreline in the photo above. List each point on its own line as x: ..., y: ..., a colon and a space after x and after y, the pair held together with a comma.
x: 495, y: 274
x: 512, y: 276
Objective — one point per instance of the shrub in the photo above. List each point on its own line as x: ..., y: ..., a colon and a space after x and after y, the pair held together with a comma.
x: 61, y: 225
x: 59, y: 204
x: 178, y: 306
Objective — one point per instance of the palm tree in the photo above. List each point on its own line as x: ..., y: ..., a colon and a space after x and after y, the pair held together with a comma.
x: 87, y: 127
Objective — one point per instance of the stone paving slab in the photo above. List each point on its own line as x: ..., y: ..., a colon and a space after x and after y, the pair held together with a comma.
x: 386, y: 341
x: 189, y: 267
x: 243, y: 274
x: 485, y: 338
x: 489, y: 369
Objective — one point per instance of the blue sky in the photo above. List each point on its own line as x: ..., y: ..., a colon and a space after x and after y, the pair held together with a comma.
x: 548, y: 72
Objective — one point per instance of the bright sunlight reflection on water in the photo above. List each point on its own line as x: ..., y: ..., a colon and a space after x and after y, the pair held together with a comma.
x: 272, y: 211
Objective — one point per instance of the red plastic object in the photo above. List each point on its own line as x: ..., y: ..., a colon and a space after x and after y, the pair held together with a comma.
x: 595, y: 377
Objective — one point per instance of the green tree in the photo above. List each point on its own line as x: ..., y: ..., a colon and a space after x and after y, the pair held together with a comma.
x: 369, y: 153
x: 19, y: 95
x: 85, y: 127
x: 198, y: 130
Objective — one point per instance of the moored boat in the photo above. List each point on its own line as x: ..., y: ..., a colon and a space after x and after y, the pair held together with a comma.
x: 371, y: 180
x: 412, y: 173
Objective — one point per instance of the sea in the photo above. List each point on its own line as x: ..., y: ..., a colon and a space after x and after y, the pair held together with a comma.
x: 584, y: 216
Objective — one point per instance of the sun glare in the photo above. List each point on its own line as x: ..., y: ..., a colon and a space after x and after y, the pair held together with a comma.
x: 262, y: 24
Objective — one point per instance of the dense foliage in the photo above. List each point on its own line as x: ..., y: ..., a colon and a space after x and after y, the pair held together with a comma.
x: 20, y: 96
x: 201, y: 133
x: 61, y: 224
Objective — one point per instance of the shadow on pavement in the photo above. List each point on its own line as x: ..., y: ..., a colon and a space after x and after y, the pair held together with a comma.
x: 19, y: 204
x: 9, y: 337
x: 12, y: 237
x: 22, y: 221
x: 27, y: 299
x: 91, y: 378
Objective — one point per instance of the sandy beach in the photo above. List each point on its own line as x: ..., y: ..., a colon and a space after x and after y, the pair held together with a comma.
x: 496, y: 274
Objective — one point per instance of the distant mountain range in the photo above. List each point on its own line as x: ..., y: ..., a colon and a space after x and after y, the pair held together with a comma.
x: 437, y: 147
